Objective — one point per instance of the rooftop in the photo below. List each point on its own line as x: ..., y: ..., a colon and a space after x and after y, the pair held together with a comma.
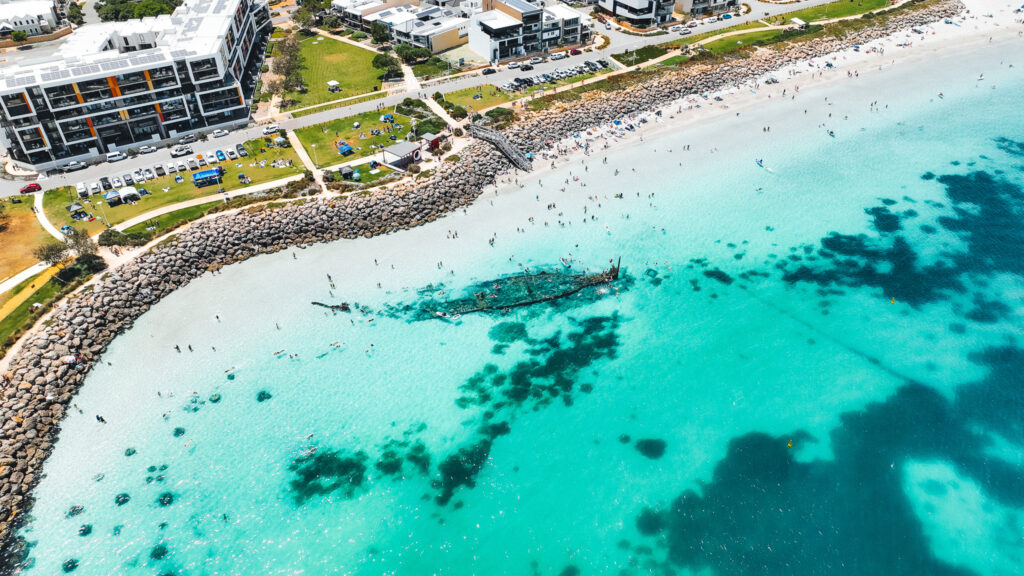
x: 197, y: 27
x: 520, y: 5
x: 22, y: 8
x: 562, y: 11
x: 497, y: 19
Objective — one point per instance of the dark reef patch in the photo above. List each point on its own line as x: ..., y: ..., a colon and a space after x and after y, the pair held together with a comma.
x: 165, y: 499
x: 122, y: 499
x: 69, y: 565
x: 652, y: 448
x: 85, y: 529
x: 326, y: 472
x: 159, y: 552
x: 263, y: 396
x: 765, y: 513
x: 550, y: 373
x: 985, y: 213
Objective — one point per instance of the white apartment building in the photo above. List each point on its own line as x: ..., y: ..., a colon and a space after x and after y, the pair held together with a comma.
x: 34, y: 17
x: 514, y: 28
x: 118, y: 85
x: 640, y: 13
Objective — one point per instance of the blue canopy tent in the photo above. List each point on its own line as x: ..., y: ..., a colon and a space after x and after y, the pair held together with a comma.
x: 343, y: 148
x: 207, y: 177
x: 113, y: 197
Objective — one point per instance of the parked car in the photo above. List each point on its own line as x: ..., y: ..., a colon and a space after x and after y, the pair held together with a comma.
x: 182, y: 166
x: 75, y: 165
x: 557, y: 56
x: 147, y: 149
x: 526, y: 67
x: 94, y: 188
x: 726, y: 16
x: 170, y: 168
x: 575, y: 52
x: 607, y: 26
x: 105, y: 183
x: 192, y: 164
x: 200, y: 160
x: 513, y: 65
x: 603, y: 63
x: 81, y: 189
x: 272, y: 129
x: 180, y: 151
x: 187, y: 139
x: 115, y: 156
x: 211, y: 158
x: 30, y: 188
x: 536, y: 60
x: 138, y: 177
x: 232, y: 154
x: 150, y: 175
x: 241, y: 150
x: 676, y: 28
x: 220, y: 156
x: 159, y: 169
x: 712, y: 20
x: 489, y: 71
x: 691, y: 24
x: 685, y: 31
x: 220, y: 133
x: 117, y: 181
x: 128, y: 180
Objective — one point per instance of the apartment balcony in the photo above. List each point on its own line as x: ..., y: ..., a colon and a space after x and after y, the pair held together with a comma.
x: 77, y: 136
x: 15, y: 111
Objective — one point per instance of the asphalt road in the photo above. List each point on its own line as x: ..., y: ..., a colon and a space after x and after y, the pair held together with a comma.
x: 619, y: 42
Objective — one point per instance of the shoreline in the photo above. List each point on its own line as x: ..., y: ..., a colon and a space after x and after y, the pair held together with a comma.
x: 86, y: 323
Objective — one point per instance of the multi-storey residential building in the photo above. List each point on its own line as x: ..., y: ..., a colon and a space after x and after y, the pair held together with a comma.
x: 32, y: 17
x: 432, y: 27
x: 640, y: 13
x: 119, y: 85
x: 514, y: 28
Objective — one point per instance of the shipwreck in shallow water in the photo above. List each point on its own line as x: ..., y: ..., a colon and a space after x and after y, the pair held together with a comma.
x: 514, y: 291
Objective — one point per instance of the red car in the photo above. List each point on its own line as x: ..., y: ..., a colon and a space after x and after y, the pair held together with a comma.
x: 575, y: 52
x: 30, y: 188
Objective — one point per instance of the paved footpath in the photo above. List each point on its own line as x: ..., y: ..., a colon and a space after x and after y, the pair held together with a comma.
x: 21, y: 297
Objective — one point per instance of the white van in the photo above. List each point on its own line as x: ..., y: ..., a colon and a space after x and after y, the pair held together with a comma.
x: 558, y: 55
x: 115, y: 156
x: 81, y: 189
x: 272, y: 129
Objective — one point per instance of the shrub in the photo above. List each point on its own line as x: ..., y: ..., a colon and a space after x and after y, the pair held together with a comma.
x: 264, y: 68
x: 458, y: 112
x: 452, y: 158
x: 111, y: 237
x: 457, y: 132
x: 414, y: 168
x: 359, y: 35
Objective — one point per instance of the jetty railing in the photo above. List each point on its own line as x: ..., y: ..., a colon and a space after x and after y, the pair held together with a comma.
x: 498, y: 140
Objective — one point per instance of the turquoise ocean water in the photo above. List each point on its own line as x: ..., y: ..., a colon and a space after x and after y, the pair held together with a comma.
x: 808, y: 370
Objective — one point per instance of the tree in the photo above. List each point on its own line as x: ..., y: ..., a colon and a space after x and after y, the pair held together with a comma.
x: 4, y: 216
x: 149, y: 8
x: 304, y: 18
x: 411, y: 53
x: 288, y: 63
x: 78, y: 241
x: 379, y: 32
x: 53, y: 253
x: 19, y: 35
x: 75, y: 13
x: 383, y: 61
x: 333, y: 22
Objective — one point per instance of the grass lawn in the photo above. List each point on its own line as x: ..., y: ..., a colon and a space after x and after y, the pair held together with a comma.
x: 831, y: 10
x: 669, y: 62
x: 329, y: 59
x: 20, y: 236
x: 24, y: 313
x: 54, y: 201
x: 171, y: 220
x: 434, y: 67
x: 489, y: 95
x: 641, y: 55
x: 342, y: 104
x: 731, y: 43
x: 6, y: 296
x: 325, y: 135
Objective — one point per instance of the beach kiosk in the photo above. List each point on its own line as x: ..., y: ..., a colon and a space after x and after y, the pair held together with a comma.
x: 402, y: 154
x: 432, y: 141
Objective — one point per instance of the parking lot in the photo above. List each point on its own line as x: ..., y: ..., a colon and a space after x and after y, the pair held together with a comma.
x: 521, y: 83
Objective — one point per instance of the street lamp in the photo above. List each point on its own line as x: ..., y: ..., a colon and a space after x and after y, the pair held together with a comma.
x: 317, y: 161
